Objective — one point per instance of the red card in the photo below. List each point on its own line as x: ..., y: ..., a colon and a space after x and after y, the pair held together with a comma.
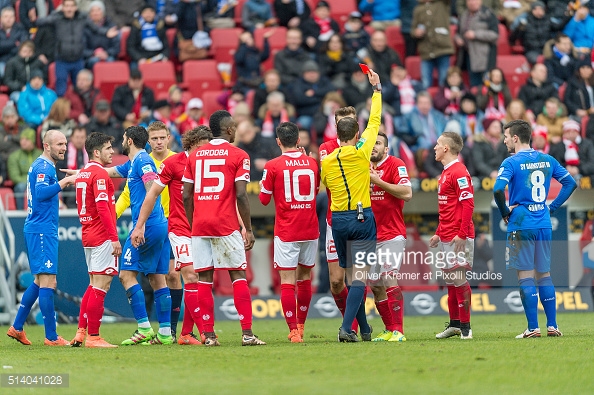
x: 364, y: 68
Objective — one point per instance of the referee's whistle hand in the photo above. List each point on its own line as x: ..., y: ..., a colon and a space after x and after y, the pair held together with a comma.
x: 374, y: 79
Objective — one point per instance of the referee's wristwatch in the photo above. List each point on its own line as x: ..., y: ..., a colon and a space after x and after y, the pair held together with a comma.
x: 377, y: 87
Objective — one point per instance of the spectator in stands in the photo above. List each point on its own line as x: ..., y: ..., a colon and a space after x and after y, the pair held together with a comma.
x: 103, y: 122
x: 540, y: 139
x: 31, y: 10
x: 271, y: 82
x: 400, y: 93
x: 324, y: 123
x: 470, y: 119
x: 511, y: 10
x: 10, y: 132
x: 537, y: 89
x: 380, y: 56
x: 75, y: 158
x: 553, y: 116
x: 355, y: 36
x: 147, y: 41
x: 357, y: 88
x: 424, y: 124
x: 261, y: 149
x: 384, y: 13
x: 335, y: 62
x: 434, y: 168
x: 98, y: 47
x: 580, y: 29
x: 19, y: 163
x: 574, y: 153
x: 308, y: 92
x: 477, y: 40
x: 559, y: 60
x: 59, y: 118
x: 318, y: 29
x: 82, y: 97
x: 387, y: 121
x: 242, y: 112
x: 406, y: 21
x: 19, y: 68
x: 257, y: 14
x: 488, y: 150
x: 447, y: 99
x: 11, y: 36
x: 133, y: 101
x: 579, y: 95
x: 493, y: 5
x: 290, y: 13
x: 162, y: 113
x: 194, y: 116
x: 431, y: 28
x: 517, y: 110
x: 175, y: 100
x: 494, y: 95
x: 45, y: 44
x: 122, y: 12
x: 36, y: 100
x: 560, y: 12
x: 248, y: 59
x: 290, y: 60
x: 305, y: 143
x: 533, y: 31
x: 273, y: 113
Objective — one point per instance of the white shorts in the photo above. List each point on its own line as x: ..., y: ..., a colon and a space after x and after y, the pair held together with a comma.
x: 100, y: 259
x: 389, y: 257
x: 219, y: 253
x: 289, y: 254
x: 181, y: 246
x: 449, y: 260
x: 331, y: 254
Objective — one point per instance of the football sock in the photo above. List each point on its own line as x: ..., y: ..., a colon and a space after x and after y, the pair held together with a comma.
x: 176, y: 300
x: 453, y: 306
x: 340, y: 300
x: 206, y: 303
x: 303, y: 300
x: 529, y: 301
x: 163, y: 305
x: 136, y: 300
x: 396, y: 303
x: 361, y: 317
x: 188, y: 321
x: 83, y: 315
x: 546, y: 291
x: 355, y: 325
x: 192, y: 309
x: 243, y: 303
x: 383, y: 307
x: 463, y: 294
x: 353, y: 307
x: 46, y: 304
x: 289, y: 305
x: 29, y: 298
x: 95, y: 308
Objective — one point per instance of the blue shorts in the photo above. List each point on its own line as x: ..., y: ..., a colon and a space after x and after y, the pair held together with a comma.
x: 353, y: 239
x: 150, y: 258
x: 529, y: 249
x: 43, y: 252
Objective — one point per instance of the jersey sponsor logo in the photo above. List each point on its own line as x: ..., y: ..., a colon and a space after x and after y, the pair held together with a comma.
x: 404, y: 181
x: 323, y: 154
x: 41, y: 177
x: 246, y: 164
x: 102, y: 196
x: 465, y: 195
x: 462, y: 182
x: 500, y: 171
x: 109, y: 271
x: 101, y: 185
x: 402, y: 171
x: 147, y: 169
x: 264, y: 174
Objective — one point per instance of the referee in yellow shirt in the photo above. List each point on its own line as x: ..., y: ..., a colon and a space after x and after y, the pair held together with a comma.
x: 345, y: 172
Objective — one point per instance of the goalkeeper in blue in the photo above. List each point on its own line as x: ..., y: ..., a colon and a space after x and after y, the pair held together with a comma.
x: 528, y: 248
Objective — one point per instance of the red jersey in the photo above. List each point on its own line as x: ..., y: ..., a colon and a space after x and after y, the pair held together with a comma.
x: 327, y: 148
x: 213, y: 169
x: 293, y: 180
x: 93, y: 186
x: 171, y: 173
x: 455, y: 193
x: 386, y: 207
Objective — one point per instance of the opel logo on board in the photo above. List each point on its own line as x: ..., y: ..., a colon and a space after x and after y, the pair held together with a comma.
x: 327, y: 307
x: 514, y: 301
x: 423, y: 304
x: 228, y: 308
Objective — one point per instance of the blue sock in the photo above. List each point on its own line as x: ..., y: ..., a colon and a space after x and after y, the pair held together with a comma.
x: 46, y: 304
x: 163, y: 303
x: 546, y: 291
x: 176, y: 300
x: 362, y: 316
x: 353, y: 303
x: 29, y: 298
x: 136, y: 300
x: 529, y: 301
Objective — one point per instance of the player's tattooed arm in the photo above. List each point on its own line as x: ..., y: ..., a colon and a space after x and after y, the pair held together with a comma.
x: 148, y: 185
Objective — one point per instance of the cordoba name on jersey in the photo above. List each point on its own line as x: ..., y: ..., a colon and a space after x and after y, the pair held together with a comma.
x: 212, y: 152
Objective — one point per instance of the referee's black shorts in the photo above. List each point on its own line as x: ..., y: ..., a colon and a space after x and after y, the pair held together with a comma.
x: 353, y: 239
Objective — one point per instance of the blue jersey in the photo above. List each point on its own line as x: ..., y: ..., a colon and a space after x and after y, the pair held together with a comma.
x: 140, y: 170
x: 529, y: 174
x: 42, y: 198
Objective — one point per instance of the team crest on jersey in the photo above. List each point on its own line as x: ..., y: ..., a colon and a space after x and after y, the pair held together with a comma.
x: 323, y: 154
x: 146, y: 169
x: 402, y: 171
x: 41, y: 177
x: 101, y: 185
x: 380, y: 174
x: 161, y: 167
x: 462, y: 182
x: 246, y: 164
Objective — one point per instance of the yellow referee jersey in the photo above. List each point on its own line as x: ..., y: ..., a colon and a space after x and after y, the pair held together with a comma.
x: 345, y: 172
x: 123, y: 201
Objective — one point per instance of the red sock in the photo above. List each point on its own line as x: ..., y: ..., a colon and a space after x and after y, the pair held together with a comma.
x: 289, y: 305
x: 453, y: 303
x: 95, y: 308
x: 243, y: 303
x: 396, y: 303
x: 340, y: 300
x: 463, y: 294
x: 82, y: 318
x: 206, y: 304
x: 303, y: 300
x: 192, y: 307
x: 188, y: 322
x: 383, y: 307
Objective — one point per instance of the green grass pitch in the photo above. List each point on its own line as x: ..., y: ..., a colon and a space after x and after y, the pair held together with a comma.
x: 494, y: 362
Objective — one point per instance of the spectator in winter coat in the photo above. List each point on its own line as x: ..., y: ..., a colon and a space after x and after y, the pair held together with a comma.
x: 10, y: 131
x: 248, y: 59
x: 355, y: 36
x: 83, y: 97
x: 36, y: 100
x: 290, y: 13
x: 494, y: 95
x: 122, y: 12
x: 380, y: 56
x: 400, y: 91
x: 103, y: 122
x: 147, y: 40
x: 357, y: 88
x: 98, y: 47
x: 194, y: 116
x: 424, y: 124
x: 447, y: 100
x: 579, y: 95
x: 19, y: 68
x: 256, y: 14
x: 559, y: 59
x: 273, y: 113
x: 533, y: 31
x: 12, y: 34
x: 290, y: 60
x: 537, y: 89
x: 32, y: 10
x: 488, y: 150
x: 574, y: 153
x: 19, y: 163
x: 133, y: 101
x: 580, y: 29
x: 553, y: 115
x: 319, y: 28
x: 271, y: 82
x: 335, y: 62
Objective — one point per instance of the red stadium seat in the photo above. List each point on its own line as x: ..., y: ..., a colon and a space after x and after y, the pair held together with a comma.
x: 57, y: 3
x: 237, y: 12
x: 503, y: 47
x: 224, y: 43
x: 117, y: 160
x: 124, y: 33
x: 3, y: 100
x: 413, y: 67
x: 109, y: 75
x: 17, y: 5
x: 277, y: 42
x: 159, y: 76
x: 515, y: 69
x: 396, y: 41
x: 562, y: 90
x: 7, y: 197
x: 340, y: 10
x: 51, y: 76
x: 201, y: 76
x: 211, y: 103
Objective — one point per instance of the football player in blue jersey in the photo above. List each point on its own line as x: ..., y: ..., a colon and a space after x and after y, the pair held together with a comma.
x: 41, y: 238
x: 528, y: 174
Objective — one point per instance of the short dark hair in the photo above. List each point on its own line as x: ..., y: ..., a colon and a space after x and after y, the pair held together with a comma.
x: 96, y: 141
x: 560, y: 36
x: 520, y: 128
x: 78, y: 128
x: 347, y: 128
x: 194, y: 136
x: 215, y: 121
x: 344, y: 112
x: 288, y: 134
x: 455, y: 142
x: 383, y: 135
x: 139, y: 136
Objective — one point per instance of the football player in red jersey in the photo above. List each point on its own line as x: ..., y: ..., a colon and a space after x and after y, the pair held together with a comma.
x: 391, y: 187
x: 96, y: 211
x: 171, y: 172
x: 215, y: 183
x: 455, y: 233
x: 293, y: 180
